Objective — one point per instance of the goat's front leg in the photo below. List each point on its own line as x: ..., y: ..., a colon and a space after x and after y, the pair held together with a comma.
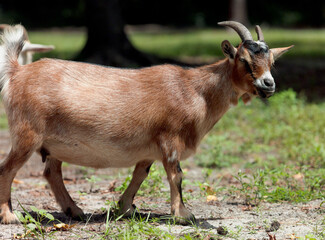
x: 174, y: 176
x: 140, y: 173
x: 53, y: 175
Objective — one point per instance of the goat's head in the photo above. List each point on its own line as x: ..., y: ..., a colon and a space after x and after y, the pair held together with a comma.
x: 26, y: 55
x: 252, y: 61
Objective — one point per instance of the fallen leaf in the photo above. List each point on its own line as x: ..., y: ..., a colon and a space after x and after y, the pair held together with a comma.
x: 63, y: 226
x: 298, y: 176
x: 17, y: 181
x: 211, y: 198
x: 306, y: 209
x: 247, y: 208
x: 292, y: 237
x: 28, y: 234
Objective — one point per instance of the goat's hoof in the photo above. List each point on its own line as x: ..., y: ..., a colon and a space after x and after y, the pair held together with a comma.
x: 8, y: 218
x: 127, y: 211
x: 75, y: 213
x: 184, y: 217
x: 186, y: 221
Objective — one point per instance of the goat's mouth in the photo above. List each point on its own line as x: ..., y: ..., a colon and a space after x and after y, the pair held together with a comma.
x: 264, y: 93
x: 265, y: 88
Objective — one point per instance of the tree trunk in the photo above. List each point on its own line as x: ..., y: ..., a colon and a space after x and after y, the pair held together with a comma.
x: 238, y: 11
x: 107, y: 43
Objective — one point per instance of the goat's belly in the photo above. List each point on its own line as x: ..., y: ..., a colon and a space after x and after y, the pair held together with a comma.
x: 93, y: 155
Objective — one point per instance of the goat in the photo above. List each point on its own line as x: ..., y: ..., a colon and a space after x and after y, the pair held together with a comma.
x: 103, y: 117
x: 26, y: 54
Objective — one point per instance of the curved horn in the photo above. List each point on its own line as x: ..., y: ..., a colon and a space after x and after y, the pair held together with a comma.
x: 259, y: 32
x: 242, y: 31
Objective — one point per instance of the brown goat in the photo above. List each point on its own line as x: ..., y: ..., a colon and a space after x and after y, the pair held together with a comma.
x: 109, y: 117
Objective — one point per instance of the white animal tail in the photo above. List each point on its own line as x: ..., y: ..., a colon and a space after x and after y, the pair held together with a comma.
x: 13, y: 41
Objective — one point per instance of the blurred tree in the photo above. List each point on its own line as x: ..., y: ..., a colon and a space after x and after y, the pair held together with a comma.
x: 238, y: 11
x: 180, y: 13
x: 107, y: 43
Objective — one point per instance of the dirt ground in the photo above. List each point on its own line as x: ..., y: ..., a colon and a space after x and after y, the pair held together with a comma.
x: 242, y: 222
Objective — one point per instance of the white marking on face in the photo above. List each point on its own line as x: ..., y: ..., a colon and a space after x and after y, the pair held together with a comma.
x: 265, y: 75
x: 262, y: 45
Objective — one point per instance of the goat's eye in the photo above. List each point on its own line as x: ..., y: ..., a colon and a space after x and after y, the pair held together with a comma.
x: 248, y: 67
x: 242, y: 59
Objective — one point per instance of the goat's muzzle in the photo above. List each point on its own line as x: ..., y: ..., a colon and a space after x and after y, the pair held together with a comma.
x: 265, y: 86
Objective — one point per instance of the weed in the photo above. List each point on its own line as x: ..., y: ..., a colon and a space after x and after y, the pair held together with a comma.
x: 125, y: 184
x: 136, y: 227
x: 33, y: 227
x: 92, y: 180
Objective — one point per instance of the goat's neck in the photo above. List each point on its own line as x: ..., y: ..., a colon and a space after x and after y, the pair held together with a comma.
x: 214, y: 83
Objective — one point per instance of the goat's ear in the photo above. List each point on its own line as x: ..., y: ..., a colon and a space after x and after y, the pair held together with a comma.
x: 228, y: 50
x: 277, y: 52
x: 32, y: 47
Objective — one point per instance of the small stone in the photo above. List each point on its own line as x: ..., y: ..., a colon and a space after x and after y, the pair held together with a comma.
x: 222, y: 231
x: 275, y: 225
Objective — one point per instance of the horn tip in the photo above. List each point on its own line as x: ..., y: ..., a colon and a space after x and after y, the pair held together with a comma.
x: 226, y: 23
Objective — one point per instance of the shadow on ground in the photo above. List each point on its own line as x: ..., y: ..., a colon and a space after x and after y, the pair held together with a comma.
x: 60, y: 217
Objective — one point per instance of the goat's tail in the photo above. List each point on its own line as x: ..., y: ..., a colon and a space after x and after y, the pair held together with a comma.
x: 12, y: 42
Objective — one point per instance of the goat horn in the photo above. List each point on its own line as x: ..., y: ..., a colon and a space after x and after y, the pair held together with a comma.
x: 259, y: 32
x: 242, y: 31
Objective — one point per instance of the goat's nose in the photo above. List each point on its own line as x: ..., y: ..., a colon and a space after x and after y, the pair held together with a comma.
x: 268, y: 82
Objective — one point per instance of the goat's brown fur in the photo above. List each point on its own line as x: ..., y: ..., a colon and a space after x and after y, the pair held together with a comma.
x: 108, y: 117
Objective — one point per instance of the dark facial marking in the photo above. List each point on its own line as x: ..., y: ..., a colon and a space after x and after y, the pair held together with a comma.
x: 255, y: 48
x: 248, y: 68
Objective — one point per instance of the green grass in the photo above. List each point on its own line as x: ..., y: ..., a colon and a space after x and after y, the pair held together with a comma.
x: 206, y: 43
x: 279, y: 149
x: 203, y: 43
x: 67, y: 44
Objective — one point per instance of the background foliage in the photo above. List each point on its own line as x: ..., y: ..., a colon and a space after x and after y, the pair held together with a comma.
x: 202, y: 13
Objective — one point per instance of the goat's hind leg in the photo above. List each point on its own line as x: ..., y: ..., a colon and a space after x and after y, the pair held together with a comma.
x: 53, y: 175
x: 8, y: 170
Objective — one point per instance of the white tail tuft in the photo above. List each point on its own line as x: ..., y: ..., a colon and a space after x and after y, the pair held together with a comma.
x: 12, y: 44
